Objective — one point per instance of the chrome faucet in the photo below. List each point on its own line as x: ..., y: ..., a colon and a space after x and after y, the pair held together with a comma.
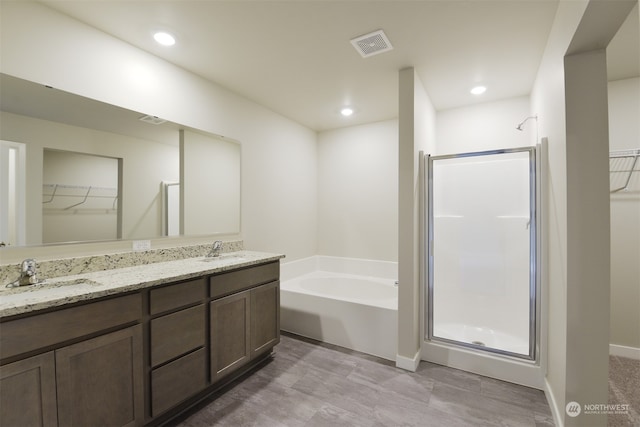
x: 28, y: 272
x: 215, y: 249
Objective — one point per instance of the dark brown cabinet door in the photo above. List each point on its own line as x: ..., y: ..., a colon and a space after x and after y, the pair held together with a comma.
x: 265, y: 318
x: 230, y: 339
x: 28, y: 392
x: 99, y: 381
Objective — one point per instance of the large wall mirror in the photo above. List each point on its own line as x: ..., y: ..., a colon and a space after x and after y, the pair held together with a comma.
x: 75, y: 169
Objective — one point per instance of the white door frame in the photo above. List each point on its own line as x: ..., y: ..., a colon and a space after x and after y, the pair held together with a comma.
x: 13, y: 162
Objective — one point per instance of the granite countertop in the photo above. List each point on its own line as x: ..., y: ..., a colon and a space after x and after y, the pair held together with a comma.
x: 81, y: 287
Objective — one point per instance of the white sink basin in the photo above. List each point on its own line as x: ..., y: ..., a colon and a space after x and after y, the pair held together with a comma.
x: 72, y: 282
x: 52, y: 283
x: 224, y: 258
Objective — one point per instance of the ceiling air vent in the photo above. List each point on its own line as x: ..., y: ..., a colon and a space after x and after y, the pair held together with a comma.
x: 372, y: 43
x: 154, y: 120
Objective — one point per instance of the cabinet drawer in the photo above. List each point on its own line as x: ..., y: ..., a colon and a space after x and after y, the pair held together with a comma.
x: 43, y: 330
x: 228, y: 283
x: 177, y: 381
x: 176, y: 296
x: 177, y: 333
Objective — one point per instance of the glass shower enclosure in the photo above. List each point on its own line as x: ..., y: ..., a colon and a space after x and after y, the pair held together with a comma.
x: 481, y: 251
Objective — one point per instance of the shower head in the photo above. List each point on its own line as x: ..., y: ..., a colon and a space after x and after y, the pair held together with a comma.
x: 520, y: 126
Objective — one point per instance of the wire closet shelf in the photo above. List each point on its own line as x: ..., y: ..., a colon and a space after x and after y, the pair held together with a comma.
x: 624, y: 166
x: 65, y: 194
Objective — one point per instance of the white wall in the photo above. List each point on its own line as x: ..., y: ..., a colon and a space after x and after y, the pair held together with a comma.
x: 278, y: 155
x: 547, y: 101
x: 624, y: 134
x: 358, y: 191
x: 486, y: 126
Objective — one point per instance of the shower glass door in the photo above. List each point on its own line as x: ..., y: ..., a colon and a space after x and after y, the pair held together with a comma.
x: 482, y: 251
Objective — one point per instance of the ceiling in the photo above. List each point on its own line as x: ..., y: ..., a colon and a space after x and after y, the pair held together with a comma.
x: 295, y: 56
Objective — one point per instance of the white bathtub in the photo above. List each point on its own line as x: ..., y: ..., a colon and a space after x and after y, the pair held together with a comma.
x: 356, y: 311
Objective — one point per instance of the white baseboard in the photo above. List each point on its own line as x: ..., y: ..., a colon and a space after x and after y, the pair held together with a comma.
x: 558, y: 416
x: 624, y: 351
x: 407, y: 363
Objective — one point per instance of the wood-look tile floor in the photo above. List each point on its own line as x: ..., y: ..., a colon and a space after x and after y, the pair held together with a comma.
x: 307, y: 383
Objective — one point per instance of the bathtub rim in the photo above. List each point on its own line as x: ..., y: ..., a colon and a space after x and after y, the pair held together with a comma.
x: 293, y: 285
x: 358, y: 266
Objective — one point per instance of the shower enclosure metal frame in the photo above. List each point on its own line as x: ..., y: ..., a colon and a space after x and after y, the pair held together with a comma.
x: 534, y: 288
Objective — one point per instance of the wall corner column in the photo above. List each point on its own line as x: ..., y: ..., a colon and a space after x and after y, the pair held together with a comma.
x: 416, y: 126
x: 588, y: 233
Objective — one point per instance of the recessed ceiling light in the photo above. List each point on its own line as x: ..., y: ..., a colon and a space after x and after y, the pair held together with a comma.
x: 346, y: 111
x: 478, y: 90
x: 164, y: 38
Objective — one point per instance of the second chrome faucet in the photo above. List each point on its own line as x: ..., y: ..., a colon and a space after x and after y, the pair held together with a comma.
x: 215, y: 249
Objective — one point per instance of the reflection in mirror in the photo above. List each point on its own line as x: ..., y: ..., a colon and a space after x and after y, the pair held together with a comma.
x: 45, y: 119
x: 171, y: 209
x: 12, y: 190
x: 79, y: 197
x: 207, y: 190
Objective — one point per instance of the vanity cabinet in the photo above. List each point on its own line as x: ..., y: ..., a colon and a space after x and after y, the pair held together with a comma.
x: 138, y: 358
x: 89, y: 371
x: 245, y: 317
